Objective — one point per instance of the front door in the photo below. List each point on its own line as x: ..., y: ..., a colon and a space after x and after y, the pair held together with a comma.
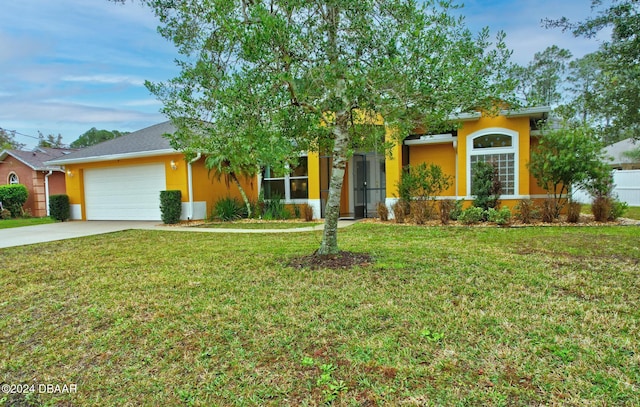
x: 361, y: 171
x: 369, y: 183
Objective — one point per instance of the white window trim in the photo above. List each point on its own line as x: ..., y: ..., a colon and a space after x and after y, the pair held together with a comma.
x: 287, y: 184
x: 13, y: 174
x: 514, y: 148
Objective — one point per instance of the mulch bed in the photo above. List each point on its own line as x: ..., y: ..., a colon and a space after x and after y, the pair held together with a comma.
x: 341, y: 261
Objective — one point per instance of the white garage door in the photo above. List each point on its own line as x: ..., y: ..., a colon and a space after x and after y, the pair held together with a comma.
x: 124, y: 193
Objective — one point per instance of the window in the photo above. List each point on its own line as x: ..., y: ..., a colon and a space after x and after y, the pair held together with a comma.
x: 13, y: 178
x: 287, y: 185
x: 499, y: 147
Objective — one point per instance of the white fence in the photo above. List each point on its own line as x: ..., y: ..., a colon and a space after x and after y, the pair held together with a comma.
x: 627, y: 188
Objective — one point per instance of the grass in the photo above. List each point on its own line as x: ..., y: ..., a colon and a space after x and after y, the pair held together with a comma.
x: 445, y: 316
x: 20, y: 222
x: 632, y: 212
x: 256, y: 224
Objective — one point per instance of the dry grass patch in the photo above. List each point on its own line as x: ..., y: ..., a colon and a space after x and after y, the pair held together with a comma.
x: 442, y: 316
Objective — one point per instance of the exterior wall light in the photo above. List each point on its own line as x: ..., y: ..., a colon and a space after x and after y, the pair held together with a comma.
x: 174, y: 165
x: 70, y: 173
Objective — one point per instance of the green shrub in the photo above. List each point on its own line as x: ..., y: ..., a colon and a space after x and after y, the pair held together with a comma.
x: 486, y: 185
x: 471, y: 215
x: 499, y: 217
x: 228, y: 209
x: 59, y: 207
x: 275, y: 209
x: 13, y: 197
x: 423, y: 182
x: 170, y: 206
x: 618, y: 209
x: 457, y: 209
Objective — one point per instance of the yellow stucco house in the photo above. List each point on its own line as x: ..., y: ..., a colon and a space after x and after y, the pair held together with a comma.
x: 121, y: 179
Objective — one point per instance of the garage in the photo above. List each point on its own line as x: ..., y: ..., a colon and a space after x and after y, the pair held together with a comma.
x: 124, y: 193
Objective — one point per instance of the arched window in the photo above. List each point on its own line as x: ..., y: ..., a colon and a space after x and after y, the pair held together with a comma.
x: 499, y: 147
x: 13, y: 178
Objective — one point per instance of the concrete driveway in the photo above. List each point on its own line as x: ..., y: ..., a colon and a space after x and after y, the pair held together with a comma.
x: 66, y: 230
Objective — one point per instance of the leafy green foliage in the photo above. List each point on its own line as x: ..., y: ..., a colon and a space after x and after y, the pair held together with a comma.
x: 170, y: 206
x: 422, y: 181
x: 95, y: 136
x: 13, y: 197
x: 275, y: 208
x: 471, y: 216
x: 617, y: 86
x: 228, y: 209
x: 261, y: 81
x: 499, y: 217
x: 566, y: 158
x: 485, y: 185
x: 59, y: 207
x: 8, y: 140
x: 538, y: 83
x: 50, y: 141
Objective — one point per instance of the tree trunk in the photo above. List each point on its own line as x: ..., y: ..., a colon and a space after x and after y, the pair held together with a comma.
x: 242, y: 193
x: 329, y: 244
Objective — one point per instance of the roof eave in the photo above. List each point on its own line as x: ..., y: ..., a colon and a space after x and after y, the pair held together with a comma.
x: 534, y: 112
x: 112, y: 157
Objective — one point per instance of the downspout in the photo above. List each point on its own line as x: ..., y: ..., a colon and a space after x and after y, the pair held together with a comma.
x: 455, y: 149
x: 190, y: 182
x: 46, y: 191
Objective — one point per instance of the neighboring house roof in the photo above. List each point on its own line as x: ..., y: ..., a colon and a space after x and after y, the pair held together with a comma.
x: 147, y: 142
x: 616, y: 150
x: 38, y: 158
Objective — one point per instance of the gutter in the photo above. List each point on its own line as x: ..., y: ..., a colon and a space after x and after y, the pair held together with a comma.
x: 46, y: 191
x: 190, y: 184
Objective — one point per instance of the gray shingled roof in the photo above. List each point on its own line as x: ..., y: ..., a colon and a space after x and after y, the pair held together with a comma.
x: 615, y: 151
x: 37, y: 158
x: 147, y: 140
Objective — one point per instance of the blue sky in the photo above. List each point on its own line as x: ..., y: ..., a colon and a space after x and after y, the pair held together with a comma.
x: 69, y: 65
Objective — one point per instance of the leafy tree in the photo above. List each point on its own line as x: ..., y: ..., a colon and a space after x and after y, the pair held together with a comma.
x: 567, y: 158
x: 619, y: 58
x: 539, y: 82
x: 283, y: 76
x: 95, y: 136
x: 423, y: 181
x: 50, y: 141
x: 8, y: 141
x: 486, y: 185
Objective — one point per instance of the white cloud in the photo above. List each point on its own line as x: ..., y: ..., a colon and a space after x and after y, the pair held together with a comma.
x: 105, y: 79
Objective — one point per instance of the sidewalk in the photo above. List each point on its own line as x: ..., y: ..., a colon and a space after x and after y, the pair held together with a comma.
x: 70, y: 230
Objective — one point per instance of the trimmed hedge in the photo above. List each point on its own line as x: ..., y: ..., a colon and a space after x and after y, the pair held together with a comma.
x: 170, y: 206
x: 13, y: 197
x: 59, y: 207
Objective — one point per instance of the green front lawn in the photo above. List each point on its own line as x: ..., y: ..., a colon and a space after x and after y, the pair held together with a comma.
x: 258, y: 224
x: 16, y: 223
x: 632, y: 212
x: 444, y: 316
